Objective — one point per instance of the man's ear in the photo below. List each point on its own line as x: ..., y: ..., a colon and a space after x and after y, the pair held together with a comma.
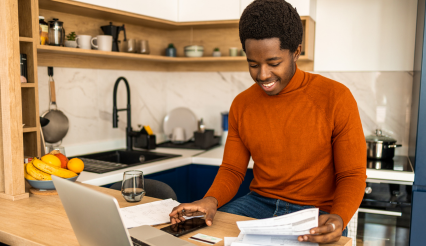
x: 297, y: 53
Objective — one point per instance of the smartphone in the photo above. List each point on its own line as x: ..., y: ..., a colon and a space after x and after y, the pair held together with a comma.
x: 185, y: 227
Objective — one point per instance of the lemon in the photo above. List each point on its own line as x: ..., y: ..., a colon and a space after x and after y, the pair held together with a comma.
x: 76, y: 165
x: 51, y: 160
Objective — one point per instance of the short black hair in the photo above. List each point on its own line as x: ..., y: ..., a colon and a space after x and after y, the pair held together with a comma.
x: 264, y: 19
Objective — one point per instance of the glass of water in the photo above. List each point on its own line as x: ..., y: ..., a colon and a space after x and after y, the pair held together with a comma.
x: 133, y: 187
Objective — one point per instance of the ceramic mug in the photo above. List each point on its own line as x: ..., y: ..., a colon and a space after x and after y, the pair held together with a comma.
x: 83, y: 41
x: 178, y: 135
x: 104, y: 42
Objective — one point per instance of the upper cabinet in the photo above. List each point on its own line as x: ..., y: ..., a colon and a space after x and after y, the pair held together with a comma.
x: 207, y: 10
x: 162, y: 9
x: 194, y: 10
x: 365, y: 35
x: 104, y: 3
x: 304, y: 7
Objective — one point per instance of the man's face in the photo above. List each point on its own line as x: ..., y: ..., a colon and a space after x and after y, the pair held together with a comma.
x: 270, y: 66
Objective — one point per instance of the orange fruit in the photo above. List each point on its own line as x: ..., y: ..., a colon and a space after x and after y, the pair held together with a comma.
x: 76, y: 165
x: 51, y: 160
x: 63, y: 159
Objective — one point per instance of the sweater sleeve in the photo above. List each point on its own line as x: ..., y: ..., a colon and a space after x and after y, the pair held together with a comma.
x: 350, y: 157
x: 234, y: 164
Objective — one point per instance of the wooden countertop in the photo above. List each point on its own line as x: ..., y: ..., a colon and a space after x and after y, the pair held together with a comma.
x: 41, y: 220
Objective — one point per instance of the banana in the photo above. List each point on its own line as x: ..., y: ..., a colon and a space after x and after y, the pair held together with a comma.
x: 57, y: 171
x: 26, y: 175
x: 39, y: 175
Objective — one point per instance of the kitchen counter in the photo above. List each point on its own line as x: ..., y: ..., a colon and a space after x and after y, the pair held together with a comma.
x: 41, y: 220
x: 212, y: 157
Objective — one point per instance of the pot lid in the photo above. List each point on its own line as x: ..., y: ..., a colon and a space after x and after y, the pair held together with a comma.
x: 379, y: 137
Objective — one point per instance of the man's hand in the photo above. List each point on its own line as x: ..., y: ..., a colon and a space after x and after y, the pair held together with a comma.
x: 325, y: 232
x: 207, y: 206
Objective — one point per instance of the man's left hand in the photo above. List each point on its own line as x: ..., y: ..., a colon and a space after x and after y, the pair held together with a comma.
x: 325, y: 232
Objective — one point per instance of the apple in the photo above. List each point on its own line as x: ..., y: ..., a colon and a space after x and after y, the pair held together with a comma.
x: 64, y: 160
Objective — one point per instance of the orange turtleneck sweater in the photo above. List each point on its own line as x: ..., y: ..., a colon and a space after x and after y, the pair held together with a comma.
x: 307, y: 144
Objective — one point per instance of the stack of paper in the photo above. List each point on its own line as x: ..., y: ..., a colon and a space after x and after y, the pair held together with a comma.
x: 153, y: 213
x: 281, y: 230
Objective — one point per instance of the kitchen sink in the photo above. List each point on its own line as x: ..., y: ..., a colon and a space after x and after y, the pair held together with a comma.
x: 118, y: 159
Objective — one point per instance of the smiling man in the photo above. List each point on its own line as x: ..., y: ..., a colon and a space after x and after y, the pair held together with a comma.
x: 302, y: 130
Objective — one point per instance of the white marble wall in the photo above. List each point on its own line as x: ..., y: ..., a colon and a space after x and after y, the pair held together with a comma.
x: 85, y: 96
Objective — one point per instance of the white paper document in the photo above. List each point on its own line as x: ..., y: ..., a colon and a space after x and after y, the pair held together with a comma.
x: 282, y: 230
x: 298, y: 223
x: 152, y: 213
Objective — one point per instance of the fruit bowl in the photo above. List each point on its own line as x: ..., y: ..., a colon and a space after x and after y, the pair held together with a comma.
x: 47, y: 184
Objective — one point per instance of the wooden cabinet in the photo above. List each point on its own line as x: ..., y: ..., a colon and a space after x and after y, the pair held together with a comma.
x: 18, y: 101
x: 206, y: 10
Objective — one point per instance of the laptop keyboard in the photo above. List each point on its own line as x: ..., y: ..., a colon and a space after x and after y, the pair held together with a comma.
x: 137, y: 242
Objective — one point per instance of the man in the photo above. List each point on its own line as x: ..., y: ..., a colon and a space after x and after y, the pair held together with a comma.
x: 302, y: 130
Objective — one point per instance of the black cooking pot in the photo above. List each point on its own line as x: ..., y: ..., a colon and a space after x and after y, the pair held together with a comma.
x: 380, y: 146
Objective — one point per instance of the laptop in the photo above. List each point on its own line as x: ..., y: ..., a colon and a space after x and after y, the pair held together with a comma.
x: 95, y: 219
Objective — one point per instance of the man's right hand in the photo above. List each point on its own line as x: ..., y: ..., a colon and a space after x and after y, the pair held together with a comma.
x: 206, y: 206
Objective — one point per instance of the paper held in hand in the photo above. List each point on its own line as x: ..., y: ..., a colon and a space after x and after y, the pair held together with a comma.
x: 280, y: 230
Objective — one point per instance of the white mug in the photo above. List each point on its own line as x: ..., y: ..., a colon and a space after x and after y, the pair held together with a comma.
x: 178, y: 135
x: 83, y: 41
x: 104, y: 42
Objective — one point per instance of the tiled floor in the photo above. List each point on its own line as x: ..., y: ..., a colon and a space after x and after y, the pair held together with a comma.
x: 380, y: 230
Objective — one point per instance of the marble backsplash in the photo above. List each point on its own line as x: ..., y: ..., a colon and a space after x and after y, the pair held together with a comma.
x: 85, y: 96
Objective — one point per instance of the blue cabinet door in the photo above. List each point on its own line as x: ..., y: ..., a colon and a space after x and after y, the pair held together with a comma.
x: 192, y: 182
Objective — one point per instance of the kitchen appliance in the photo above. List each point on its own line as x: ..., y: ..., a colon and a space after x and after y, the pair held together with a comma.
x: 57, y: 128
x: 380, y: 146
x: 389, y: 197
x: 114, y: 31
x: 56, y: 33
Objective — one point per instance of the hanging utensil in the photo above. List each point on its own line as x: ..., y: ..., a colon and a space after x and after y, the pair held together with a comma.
x: 58, y: 126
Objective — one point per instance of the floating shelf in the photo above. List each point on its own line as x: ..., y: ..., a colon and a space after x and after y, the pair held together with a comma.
x: 134, y: 56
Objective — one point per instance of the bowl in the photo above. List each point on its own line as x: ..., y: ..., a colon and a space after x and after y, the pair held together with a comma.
x: 194, y: 51
x: 47, y: 184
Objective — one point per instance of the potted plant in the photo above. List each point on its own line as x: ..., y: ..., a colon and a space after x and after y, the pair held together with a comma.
x: 70, y: 41
x: 216, y: 52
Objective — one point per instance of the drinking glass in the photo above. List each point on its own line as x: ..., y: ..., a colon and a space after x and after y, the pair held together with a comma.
x: 133, y: 187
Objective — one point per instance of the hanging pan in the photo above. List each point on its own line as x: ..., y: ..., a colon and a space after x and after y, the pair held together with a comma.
x: 58, y: 126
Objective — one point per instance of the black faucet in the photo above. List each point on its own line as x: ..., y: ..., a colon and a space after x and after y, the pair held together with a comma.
x: 129, y: 143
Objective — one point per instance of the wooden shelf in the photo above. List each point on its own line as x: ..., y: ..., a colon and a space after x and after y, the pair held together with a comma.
x: 27, y: 85
x: 134, y: 56
x: 30, y: 129
x: 25, y: 39
x: 99, y: 12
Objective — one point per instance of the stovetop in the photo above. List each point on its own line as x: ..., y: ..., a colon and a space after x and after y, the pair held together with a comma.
x: 398, y: 163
